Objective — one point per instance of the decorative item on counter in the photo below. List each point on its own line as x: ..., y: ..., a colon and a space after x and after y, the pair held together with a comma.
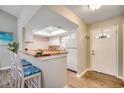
x: 13, y: 46
x: 42, y: 55
x: 39, y: 52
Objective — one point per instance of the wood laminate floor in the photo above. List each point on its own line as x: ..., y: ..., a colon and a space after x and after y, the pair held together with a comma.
x: 92, y: 79
x: 5, y: 78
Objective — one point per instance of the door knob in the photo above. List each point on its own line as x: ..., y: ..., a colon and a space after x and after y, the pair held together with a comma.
x: 93, y: 52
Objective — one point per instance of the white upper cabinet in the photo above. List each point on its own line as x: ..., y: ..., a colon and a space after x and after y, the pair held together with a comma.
x: 61, y: 40
x: 54, y: 41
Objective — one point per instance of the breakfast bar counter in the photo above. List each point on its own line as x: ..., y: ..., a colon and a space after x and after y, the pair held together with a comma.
x: 53, y: 68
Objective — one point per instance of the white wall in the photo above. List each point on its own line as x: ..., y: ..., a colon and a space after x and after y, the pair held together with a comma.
x: 8, y: 23
x: 25, y: 15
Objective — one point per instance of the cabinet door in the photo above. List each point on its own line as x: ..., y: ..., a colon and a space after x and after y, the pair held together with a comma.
x: 54, y: 41
x: 72, y: 59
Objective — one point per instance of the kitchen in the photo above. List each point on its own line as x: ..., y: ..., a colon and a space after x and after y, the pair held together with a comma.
x: 51, y: 46
x: 52, y: 42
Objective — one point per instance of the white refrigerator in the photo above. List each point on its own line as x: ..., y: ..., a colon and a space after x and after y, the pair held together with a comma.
x: 72, y: 57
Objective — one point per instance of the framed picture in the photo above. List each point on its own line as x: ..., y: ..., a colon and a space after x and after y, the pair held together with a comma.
x: 5, y: 38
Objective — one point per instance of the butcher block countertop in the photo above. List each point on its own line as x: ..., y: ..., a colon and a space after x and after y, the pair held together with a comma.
x: 46, y: 55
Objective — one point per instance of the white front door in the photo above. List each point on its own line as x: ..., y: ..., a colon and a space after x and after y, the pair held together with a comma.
x: 104, y: 50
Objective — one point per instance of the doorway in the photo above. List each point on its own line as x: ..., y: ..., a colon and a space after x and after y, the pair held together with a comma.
x: 104, y: 55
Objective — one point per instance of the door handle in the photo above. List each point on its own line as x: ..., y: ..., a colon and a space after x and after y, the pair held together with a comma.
x: 93, y: 53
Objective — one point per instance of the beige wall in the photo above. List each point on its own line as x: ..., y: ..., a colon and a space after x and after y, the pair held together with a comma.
x: 123, y: 46
x: 109, y: 22
x: 62, y: 10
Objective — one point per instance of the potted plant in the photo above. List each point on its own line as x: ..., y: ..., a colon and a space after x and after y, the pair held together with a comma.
x: 13, y: 46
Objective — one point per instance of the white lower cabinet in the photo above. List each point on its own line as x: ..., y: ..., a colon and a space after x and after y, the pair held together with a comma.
x: 72, y: 59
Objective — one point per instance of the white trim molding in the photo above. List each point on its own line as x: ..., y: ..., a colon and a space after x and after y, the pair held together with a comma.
x: 80, y: 75
x: 66, y: 86
x: 88, y: 69
x: 119, y: 77
x: 5, y: 68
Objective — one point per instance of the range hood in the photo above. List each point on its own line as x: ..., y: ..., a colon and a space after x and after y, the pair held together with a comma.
x: 50, y: 31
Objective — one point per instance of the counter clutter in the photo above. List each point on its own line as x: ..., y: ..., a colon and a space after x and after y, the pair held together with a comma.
x: 42, y: 53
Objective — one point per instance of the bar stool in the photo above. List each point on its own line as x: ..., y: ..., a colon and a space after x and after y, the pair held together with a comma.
x: 14, y: 73
x: 29, y: 75
x: 23, y: 61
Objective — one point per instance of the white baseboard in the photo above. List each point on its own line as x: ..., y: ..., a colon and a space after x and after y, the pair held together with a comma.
x: 88, y: 69
x: 80, y: 75
x: 119, y: 77
x: 5, y: 68
x: 66, y: 86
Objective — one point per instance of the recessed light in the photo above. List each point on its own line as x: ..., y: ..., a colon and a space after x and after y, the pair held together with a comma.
x: 50, y: 31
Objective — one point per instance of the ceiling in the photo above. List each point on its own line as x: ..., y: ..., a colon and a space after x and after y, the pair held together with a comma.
x: 105, y: 12
x: 45, y: 17
x: 11, y: 9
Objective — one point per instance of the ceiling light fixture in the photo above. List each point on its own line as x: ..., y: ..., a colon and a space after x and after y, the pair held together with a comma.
x: 94, y: 7
x: 50, y: 31
x: 102, y: 35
